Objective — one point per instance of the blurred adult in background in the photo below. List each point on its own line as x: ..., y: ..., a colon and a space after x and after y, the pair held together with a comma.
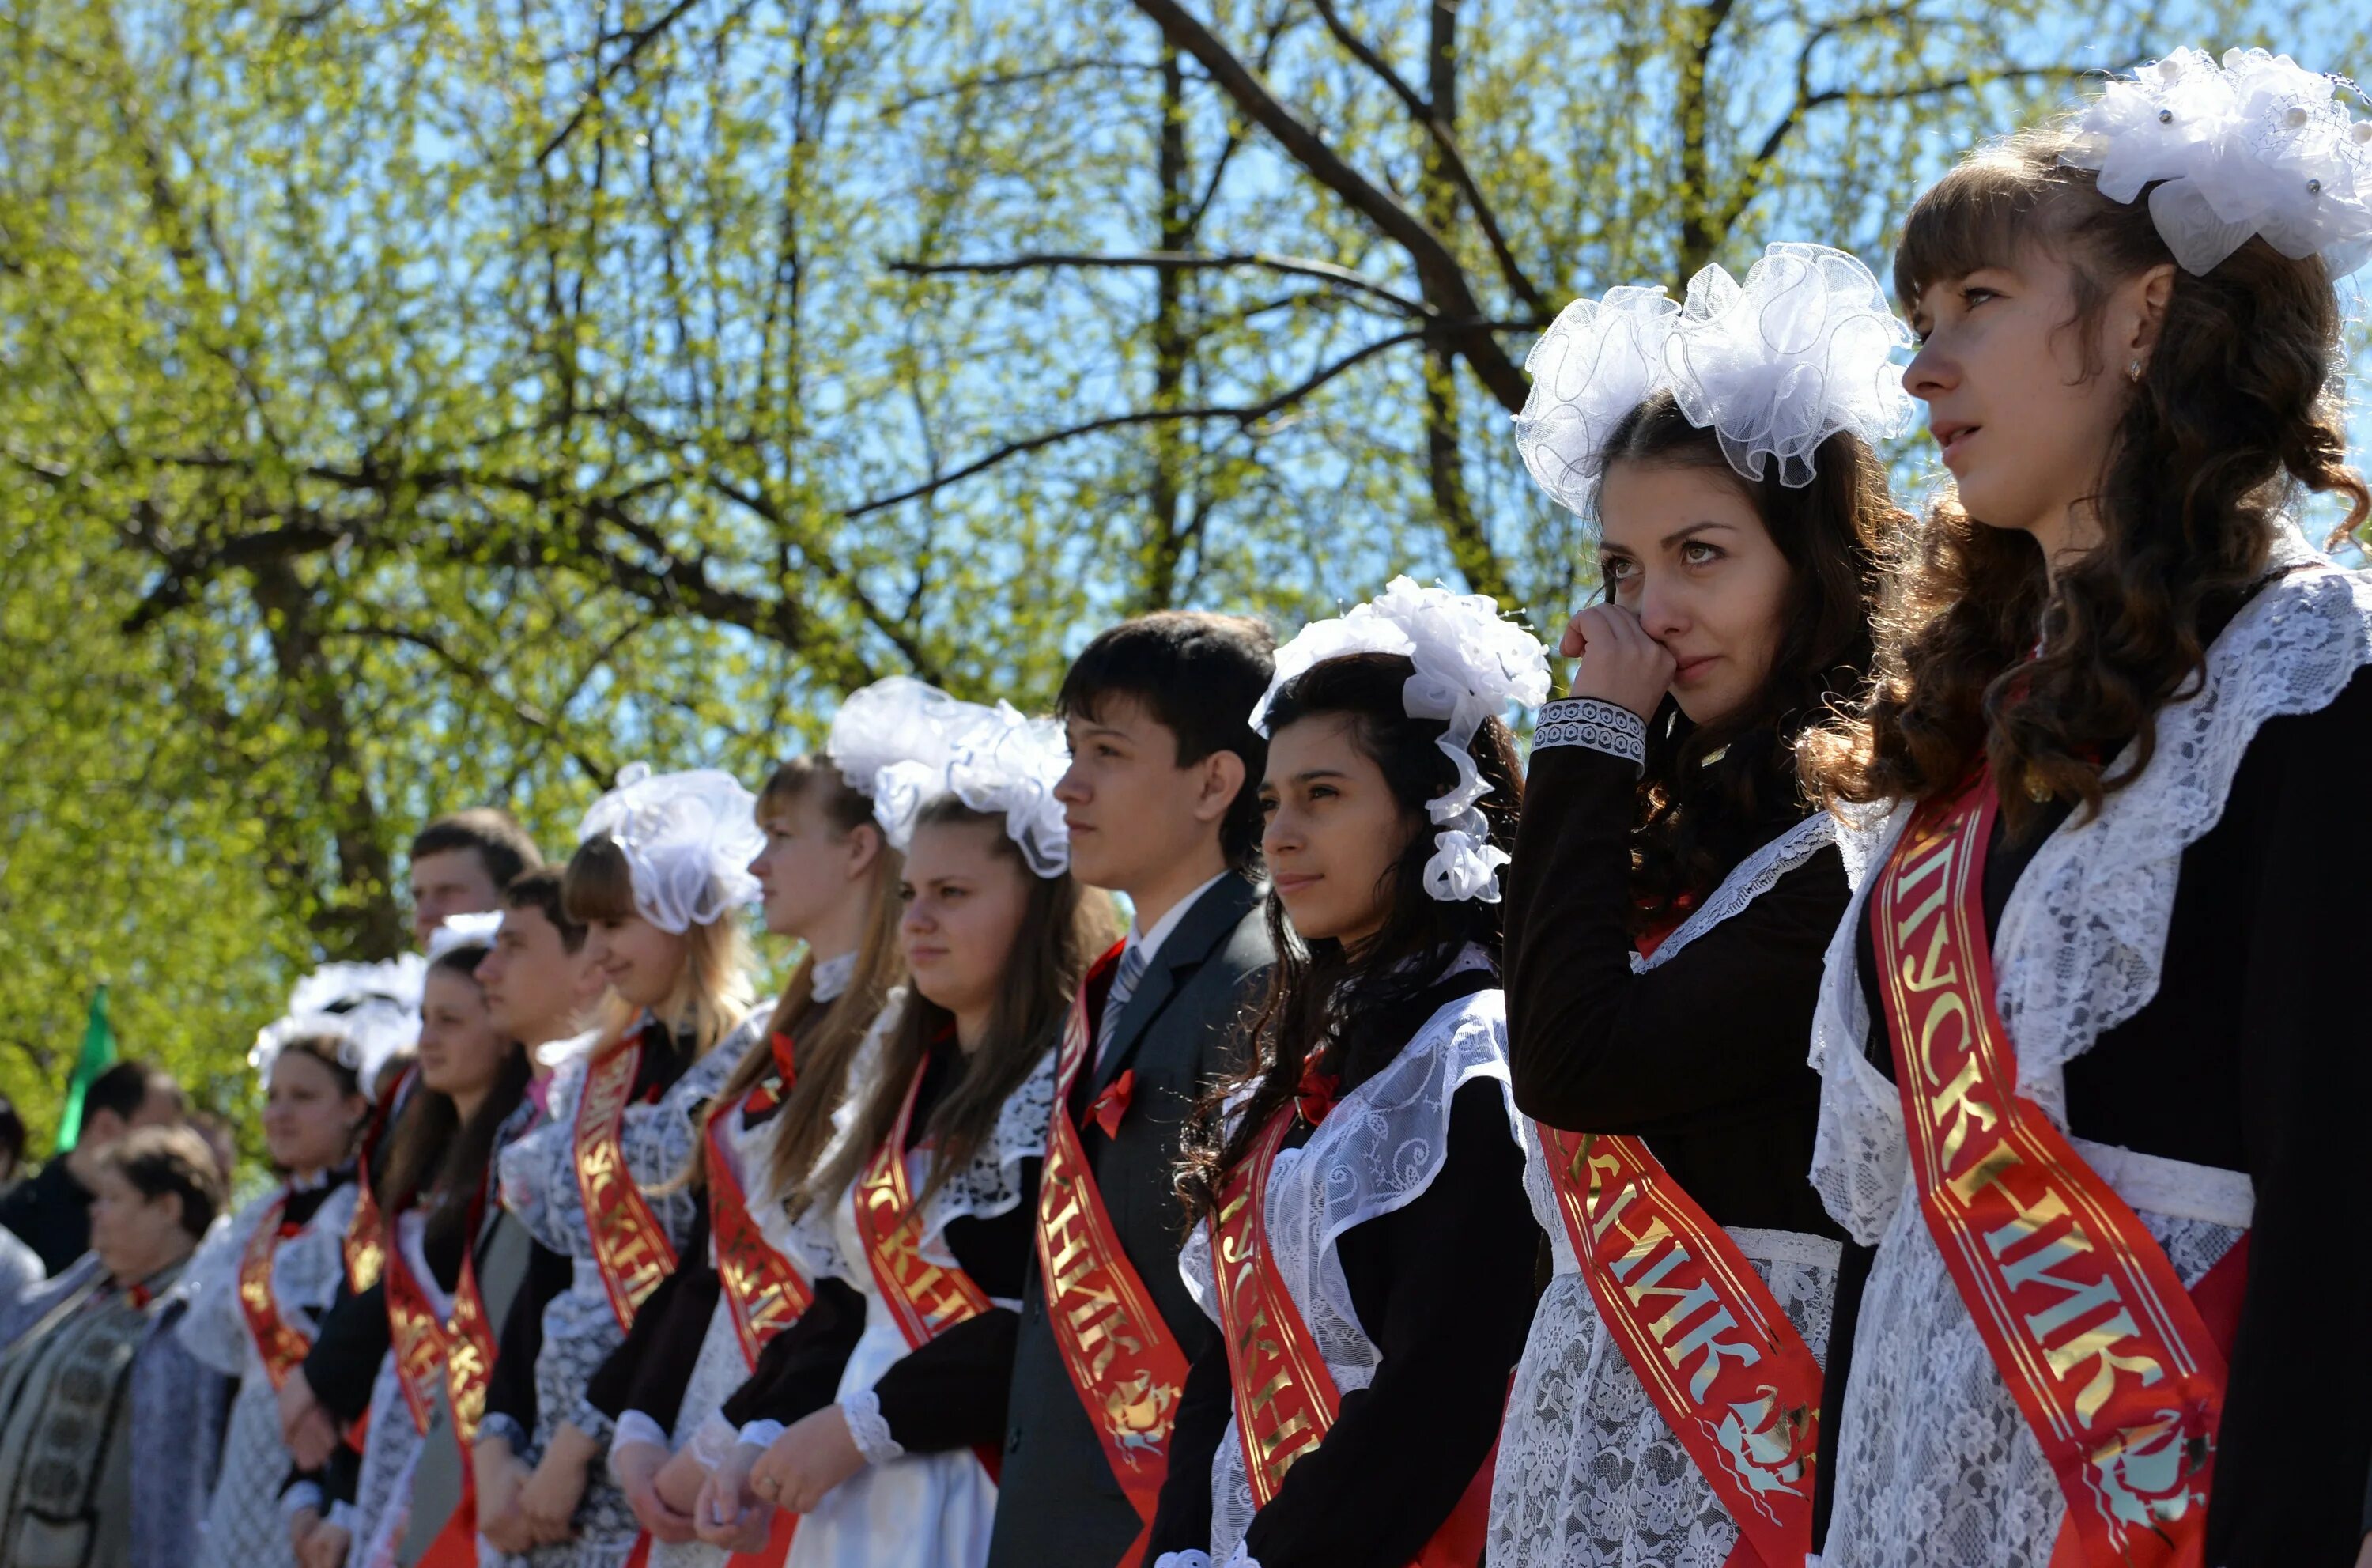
x: 51, y: 1213
x: 12, y: 1145
x: 20, y: 1266
x: 108, y: 1425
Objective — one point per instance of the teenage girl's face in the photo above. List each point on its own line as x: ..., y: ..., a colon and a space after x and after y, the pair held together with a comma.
x: 965, y: 897
x: 810, y: 871
x: 308, y: 1119
x: 2024, y: 419
x: 1334, y: 831
x: 640, y: 962
x: 1683, y: 549
x: 460, y: 1050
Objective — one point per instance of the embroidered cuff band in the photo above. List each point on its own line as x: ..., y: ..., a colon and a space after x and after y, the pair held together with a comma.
x: 1599, y: 725
x: 869, y: 1428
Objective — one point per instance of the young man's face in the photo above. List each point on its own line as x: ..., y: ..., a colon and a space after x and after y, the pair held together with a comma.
x: 534, y: 985
x: 1135, y: 814
x: 449, y: 882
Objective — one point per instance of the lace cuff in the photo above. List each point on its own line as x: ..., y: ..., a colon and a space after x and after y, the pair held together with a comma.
x: 1598, y: 725
x: 300, y: 1496
x: 869, y: 1428
x: 1239, y: 1558
x: 758, y: 1434
x: 635, y: 1426
x: 493, y: 1424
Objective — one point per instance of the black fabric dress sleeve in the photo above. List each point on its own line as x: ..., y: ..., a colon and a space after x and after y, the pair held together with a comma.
x: 1182, y: 1520
x: 511, y: 1388
x: 952, y: 1392
x: 1444, y: 1288
x: 652, y: 1366
x: 347, y: 1347
x: 2294, y: 1443
x: 1721, y: 1029
x: 798, y: 1371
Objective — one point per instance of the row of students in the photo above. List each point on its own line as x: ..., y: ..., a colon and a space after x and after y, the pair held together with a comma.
x: 2022, y: 1264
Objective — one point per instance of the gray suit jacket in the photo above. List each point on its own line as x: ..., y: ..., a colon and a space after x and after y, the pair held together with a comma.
x: 1058, y: 1503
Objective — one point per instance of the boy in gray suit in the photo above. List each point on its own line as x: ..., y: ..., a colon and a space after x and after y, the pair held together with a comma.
x: 1162, y: 802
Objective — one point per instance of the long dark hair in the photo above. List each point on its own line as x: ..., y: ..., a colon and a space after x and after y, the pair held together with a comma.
x: 1063, y: 926
x: 1321, y: 997
x: 2234, y: 412
x: 1709, y: 789
x: 435, y: 1153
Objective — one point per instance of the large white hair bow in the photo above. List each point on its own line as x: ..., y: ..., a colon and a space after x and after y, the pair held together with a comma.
x: 371, y: 1010
x: 1470, y: 664
x: 902, y: 741
x: 688, y: 839
x: 1775, y: 365
x: 2254, y: 146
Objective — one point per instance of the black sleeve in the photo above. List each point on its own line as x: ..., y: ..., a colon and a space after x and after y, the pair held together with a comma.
x: 1182, y: 1520
x: 1594, y: 1048
x: 2293, y: 1448
x: 1448, y: 1308
x: 510, y: 1388
x: 952, y: 1392
x: 798, y: 1372
x: 347, y: 1349
x: 650, y: 1370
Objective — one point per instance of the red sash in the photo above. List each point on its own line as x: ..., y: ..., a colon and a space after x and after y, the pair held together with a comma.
x: 281, y: 1345
x: 924, y: 1299
x: 1736, y: 1384
x: 1125, y: 1364
x: 415, y: 1339
x: 366, y: 1245
x: 470, y: 1344
x: 630, y: 1246
x: 2106, y: 1354
x: 764, y: 1293
x: 1285, y: 1399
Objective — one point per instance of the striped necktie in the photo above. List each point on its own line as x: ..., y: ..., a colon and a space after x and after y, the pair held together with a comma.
x: 1132, y: 969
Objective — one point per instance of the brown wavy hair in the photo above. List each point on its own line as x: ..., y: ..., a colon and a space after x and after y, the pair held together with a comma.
x: 2235, y: 412
x: 1708, y: 790
x: 1063, y: 926
x: 1319, y: 994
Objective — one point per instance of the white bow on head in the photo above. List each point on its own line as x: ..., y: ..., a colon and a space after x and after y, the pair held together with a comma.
x: 903, y: 741
x: 688, y: 839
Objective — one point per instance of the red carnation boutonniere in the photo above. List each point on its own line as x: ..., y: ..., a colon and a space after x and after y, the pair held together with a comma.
x: 1112, y: 1104
x: 1314, y: 1096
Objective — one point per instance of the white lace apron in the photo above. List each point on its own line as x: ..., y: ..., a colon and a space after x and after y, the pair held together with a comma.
x: 2078, y: 952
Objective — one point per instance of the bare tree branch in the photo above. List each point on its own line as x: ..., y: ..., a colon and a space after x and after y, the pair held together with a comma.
x: 636, y: 40
x: 1292, y: 266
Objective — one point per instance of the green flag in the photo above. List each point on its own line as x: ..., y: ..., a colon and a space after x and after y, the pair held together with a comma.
x: 98, y: 1055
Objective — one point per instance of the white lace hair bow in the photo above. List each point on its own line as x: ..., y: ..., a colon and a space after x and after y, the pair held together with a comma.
x: 463, y: 931
x: 1469, y: 665
x: 688, y: 839
x: 372, y: 1010
x: 2256, y: 145
x: 903, y: 741
x: 1775, y: 365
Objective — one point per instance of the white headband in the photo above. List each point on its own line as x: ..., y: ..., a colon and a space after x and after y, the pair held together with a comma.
x: 372, y: 1010
x: 688, y: 839
x: 902, y: 741
x: 1774, y: 367
x: 1469, y: 665
x: 2256, y: 146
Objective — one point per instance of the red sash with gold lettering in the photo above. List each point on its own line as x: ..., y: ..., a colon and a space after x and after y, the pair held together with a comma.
x: 281, y: 1345
x: 1708, y: 1340
x: 630, y: 1246
x: 469, y: 1346
x: 415, y: 1338
x: 366, y: 1245
x: 1124, y: 1363
x: 924, y: 1299
x: 2107, y: 1355
x: 763, y: 1292
x: 1286, y: 1398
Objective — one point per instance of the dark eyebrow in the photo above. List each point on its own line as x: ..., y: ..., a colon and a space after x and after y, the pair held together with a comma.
x: 1682, y: 535
x: 1315, y: 773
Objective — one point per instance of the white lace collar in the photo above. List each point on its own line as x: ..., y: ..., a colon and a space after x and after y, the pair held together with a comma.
x: 1748, y: 880
x: 832, y: 975
x: 2083, y: 937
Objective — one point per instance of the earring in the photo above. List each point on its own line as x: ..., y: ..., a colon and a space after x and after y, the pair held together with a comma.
x: 2133, y: 371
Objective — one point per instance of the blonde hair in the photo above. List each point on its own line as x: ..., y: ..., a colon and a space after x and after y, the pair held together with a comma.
x: 713, y: 992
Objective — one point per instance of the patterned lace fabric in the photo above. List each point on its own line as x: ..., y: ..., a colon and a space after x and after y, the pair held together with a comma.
x: 1590, y: 1475
x: 991, y: 1185
x: 2077, y: 953
x: 1747, y: 881
x: 1377, y: 1150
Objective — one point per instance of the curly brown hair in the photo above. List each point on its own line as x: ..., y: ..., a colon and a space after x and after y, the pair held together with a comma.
x: 1708, y: 790
x: 2233, y: 413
